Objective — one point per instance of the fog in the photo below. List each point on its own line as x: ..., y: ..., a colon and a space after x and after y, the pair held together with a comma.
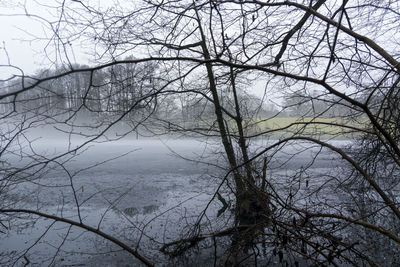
x: 136, y: 189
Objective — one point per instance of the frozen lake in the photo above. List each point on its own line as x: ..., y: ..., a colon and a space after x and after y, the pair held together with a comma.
x: 141, y: 197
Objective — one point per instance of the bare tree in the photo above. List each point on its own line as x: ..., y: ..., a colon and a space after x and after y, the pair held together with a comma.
x: 338, y: 58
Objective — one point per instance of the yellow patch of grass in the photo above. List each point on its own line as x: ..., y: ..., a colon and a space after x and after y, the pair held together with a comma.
x: 306, y: 126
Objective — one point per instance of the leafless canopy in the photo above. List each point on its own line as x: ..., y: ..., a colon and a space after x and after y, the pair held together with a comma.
x: 194, y: 68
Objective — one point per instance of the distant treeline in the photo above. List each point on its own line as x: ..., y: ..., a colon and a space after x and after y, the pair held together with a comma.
x: 129, y: 89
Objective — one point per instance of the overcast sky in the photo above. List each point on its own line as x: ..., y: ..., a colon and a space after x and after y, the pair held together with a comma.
x: 21, y: 53
x: 23, y: 39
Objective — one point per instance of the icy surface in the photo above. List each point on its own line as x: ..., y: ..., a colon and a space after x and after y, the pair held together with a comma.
x: 149, y: 195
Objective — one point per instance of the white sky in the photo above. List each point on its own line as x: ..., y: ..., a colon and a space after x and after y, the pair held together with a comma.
x: 15, y: 33
x: 23, y: 38
x: 20, y: 53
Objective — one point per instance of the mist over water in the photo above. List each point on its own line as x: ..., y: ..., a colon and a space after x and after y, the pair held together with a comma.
x: 124, y: 186
x: 139, y: 189
x: 120, y: 183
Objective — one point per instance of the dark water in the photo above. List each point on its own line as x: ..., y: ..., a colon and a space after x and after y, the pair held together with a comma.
x: 149, y: 195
